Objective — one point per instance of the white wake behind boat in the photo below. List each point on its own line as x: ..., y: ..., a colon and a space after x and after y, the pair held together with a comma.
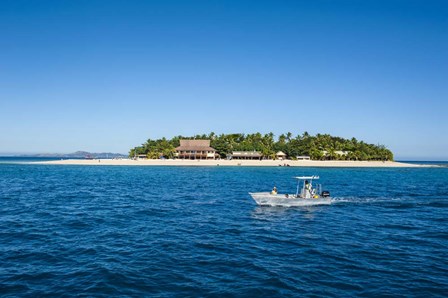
x: 306, y: 195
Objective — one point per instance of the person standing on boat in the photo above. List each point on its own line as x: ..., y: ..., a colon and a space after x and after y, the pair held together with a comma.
x: 308, y: 189
x: 274, y: 191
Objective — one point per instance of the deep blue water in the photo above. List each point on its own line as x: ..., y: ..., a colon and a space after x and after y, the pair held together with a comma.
x: 192, y: 231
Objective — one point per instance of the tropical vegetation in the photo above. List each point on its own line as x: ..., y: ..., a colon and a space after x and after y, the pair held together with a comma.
x: 317, y: 147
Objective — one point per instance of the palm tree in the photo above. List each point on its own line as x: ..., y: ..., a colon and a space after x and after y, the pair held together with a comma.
x: 315, y: 154
x: 282, y: 139
x: 153, y: 155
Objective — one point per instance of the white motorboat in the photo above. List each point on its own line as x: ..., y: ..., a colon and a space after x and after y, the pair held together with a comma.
x: 307, y: 194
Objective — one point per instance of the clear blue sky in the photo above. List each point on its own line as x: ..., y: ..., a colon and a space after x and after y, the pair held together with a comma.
x: 107, y: 75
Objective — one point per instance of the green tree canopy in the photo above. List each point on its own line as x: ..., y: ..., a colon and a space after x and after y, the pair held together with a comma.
x: 318, y: 147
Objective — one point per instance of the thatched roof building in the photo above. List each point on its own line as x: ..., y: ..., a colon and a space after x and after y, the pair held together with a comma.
x: 195, y: 149
x: 280, y: 155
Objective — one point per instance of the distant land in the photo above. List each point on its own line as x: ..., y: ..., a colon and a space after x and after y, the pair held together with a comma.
x: 77, y: 154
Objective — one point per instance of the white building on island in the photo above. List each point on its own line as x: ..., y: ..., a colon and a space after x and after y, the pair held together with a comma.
x: 246, y: 155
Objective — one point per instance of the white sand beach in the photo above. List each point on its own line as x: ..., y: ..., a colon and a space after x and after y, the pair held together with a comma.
x: 222, y: 162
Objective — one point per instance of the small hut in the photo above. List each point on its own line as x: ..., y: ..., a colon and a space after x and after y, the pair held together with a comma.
x: 280, y: 155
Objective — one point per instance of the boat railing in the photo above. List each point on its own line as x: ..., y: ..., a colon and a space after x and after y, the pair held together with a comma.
x: 304, y: 192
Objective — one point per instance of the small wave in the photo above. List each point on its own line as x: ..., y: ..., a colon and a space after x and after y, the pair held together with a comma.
x: 438, y: 204
x: 207, y: 202
x: 396, y: 202
x: 367, y: 200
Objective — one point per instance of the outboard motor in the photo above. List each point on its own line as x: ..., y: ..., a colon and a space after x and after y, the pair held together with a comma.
x: 325, y: 194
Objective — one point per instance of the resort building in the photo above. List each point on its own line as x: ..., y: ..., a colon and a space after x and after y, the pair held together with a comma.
x: 341, y: 153
x: 246, y: 155
x: 303, y: 157
x: 337, y: 152
x: 280, y: 155
x: 195, y: 149
x: 142, y: 156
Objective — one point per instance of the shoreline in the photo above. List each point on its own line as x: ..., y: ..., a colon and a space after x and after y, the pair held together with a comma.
x: 234, y: 163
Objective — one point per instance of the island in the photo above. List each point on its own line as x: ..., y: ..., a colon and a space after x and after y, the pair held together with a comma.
x: 303, y: 150
x: 263, y: 147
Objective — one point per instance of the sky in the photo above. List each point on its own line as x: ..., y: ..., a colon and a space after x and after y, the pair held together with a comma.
x: 104, y: 76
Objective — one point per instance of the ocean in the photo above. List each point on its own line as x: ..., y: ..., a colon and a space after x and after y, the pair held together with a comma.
x: 194, y: 231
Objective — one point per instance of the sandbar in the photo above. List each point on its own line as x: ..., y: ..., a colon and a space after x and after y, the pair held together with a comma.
x: 236, y: 163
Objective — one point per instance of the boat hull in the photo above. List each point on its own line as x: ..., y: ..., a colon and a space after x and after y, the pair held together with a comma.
x: 268, y: 199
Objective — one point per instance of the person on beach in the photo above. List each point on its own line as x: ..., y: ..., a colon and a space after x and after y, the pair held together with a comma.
x: 274, y: 191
